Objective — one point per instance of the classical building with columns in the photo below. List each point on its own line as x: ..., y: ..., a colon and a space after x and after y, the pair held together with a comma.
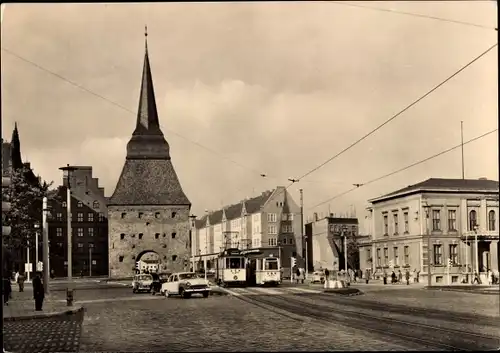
x: 459, y: 215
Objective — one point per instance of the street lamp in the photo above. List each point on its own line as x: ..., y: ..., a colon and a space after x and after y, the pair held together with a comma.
x: 45, y: 237
x: 429, y: 277
x: 37, y: 227
x: 69, y: 292
x: 344, y: 236
x: 476, y: 227
x: 193, y: 236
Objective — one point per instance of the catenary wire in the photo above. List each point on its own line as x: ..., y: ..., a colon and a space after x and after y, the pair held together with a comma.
x: 414, y: 15
x: 401, y: 111
x: 403, y: 169
x: 123, y: 108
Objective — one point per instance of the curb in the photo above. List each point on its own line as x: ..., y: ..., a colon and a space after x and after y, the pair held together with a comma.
x: 73, y: 311
x: 333, y: 291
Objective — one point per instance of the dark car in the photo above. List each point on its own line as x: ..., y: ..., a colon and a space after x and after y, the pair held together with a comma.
x: 156, y: 285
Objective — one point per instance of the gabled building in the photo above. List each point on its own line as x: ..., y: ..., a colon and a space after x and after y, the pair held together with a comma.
x: 266, y: 224
x: 148, y: 211
x: 89, y: 224
x: 459, y: 216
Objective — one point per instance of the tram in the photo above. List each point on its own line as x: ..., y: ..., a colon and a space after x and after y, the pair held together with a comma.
x: 268, y: 271
x: 231, y: 268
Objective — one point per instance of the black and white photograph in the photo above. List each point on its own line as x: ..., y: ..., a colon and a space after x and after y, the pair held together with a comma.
x: 251, y: 176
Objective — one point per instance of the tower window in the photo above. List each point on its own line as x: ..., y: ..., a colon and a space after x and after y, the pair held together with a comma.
x: 157, y: 235
x: 120, y: 258
x: 123, y: 215
x: 174, y: 257
x: 164, y: 246
x: 140, y: 235
x: 164, y: 235
x: 122, y: 236
x: 140, y: 214
x: 173, y: 235
x: 173, y: 214
x: 133, y: 246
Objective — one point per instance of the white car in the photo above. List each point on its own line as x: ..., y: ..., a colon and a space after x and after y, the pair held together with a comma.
x: 185, y: 284
x: 141, y: 283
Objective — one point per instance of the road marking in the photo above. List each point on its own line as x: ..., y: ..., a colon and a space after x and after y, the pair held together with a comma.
x: 267, y: 291
x: 106, y: 300
x: 233, y: 293
x: 304, y: 290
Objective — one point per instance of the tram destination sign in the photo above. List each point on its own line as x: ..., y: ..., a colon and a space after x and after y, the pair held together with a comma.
x: 232, y: 252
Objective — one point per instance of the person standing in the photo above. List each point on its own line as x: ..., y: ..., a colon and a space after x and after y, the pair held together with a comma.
x: 38, y: 292
x: 407, y: 275
x: 400, y: 277
x: 297, y: 274
x: 7, y: 289
x: 20, y: 282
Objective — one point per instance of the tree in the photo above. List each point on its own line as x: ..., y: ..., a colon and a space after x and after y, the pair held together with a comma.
x: 353, y: 251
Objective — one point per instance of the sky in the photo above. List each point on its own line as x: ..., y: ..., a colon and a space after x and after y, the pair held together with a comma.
x: 245, y: 89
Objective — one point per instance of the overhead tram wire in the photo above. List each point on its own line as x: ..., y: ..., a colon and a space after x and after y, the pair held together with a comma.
x: 402, y: 169
x: 124, y: 108
x: 415, y: 15
x: 442, y: 83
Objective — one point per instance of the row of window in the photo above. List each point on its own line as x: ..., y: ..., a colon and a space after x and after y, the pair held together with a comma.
x: 285, y: 241
x: 80, y: 217
x: 437, y: 255
x: 141, y: 214
x: 141, y: 235
x: 395, y: 217
x: 122, y: 257
x: 491, y: 220
x: 79, y: 204
x: 78, y: 231
x: 273, y: 217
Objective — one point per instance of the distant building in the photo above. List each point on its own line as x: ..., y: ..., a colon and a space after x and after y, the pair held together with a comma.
x: 89, y: 223
x: 148, y: 211
x: 325, y: 237
x: 452, y: 212
x: 148, y: 265
x: 267, y: 224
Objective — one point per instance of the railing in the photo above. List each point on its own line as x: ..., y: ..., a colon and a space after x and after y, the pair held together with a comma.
x: 487, y: 233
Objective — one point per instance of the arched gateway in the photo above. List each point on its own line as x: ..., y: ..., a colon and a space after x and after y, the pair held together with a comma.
x: 148, y: 210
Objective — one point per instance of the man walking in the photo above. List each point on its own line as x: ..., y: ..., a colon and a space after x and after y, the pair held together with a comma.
x: 38, y: 292
x: 20, y: 282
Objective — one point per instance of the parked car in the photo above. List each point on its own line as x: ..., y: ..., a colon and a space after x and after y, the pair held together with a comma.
x: 318, y: 277
x: 142, y: 282
x: 185, y: 284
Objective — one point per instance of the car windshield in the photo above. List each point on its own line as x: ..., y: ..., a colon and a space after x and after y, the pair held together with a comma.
x: 147, y: 278
x: 188, y: 276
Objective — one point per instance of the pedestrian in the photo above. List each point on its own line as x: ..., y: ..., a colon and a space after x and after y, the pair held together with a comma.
x: 490, y: 277
x: 20, y: 282
x: 16, y: 276
x: 393, y: 277
x: 327, y: 273
x: 297, y: 274
x: 367, y: 275
x: 7, y: 290
x: 400, y: 277
x: 407, y: 277
x: 476, y: 278
x: 418, y: 276
x: 38, y: 292
x: 385, y: 277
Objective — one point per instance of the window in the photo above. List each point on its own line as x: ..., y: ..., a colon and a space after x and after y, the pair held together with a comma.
x: 122, y: 236
x: 438, y: 254
x: 407, y: 225
x: 59, y: 232
x: 452, y: 220
x: 173, y: 235
x: 174, y: 257
x: 272, y: 230
x: 406, y: 250
x: 472, y: 219
x: 80, y: 245
x: 271, y: 217
x: 396, y: 227
x: 396, y: 256
x: 123, y: 215
x: 79, y: 204
x: 79, y: 232
x: 284, y: 217
x: 368, y: 253
x: 120, y: 258
x: 94, y: 262
x: 80, y: 217
x: 273, y: 242
x: 491, y: 220
x: 64, y: 204
x: 386, y: 225
x: 101, y: 217
x: 436, y: 220
x: 386, y: 256
x: 157, y: 214
x: 284, y: 241
x: 91, y: 245
x: 157, y: 235
x: 173, y: 214
x: 290, y: 216
x: 90, y: 217
x: 90, y: 232
x: 59, y: 216
x: 454, y: 253
x: 95, y: 204
x: 140, y: 214
x: 379, y: 258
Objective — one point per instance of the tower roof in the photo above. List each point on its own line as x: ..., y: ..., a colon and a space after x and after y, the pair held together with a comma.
x: 148, y: 176
x: 17, y: 161
x: 147, y: 140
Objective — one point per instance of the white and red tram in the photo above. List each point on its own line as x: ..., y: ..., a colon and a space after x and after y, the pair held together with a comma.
x: 268, y: 271
x: 231, y: 268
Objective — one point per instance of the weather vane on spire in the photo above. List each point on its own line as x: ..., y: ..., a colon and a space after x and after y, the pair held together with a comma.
x: 145, y: 30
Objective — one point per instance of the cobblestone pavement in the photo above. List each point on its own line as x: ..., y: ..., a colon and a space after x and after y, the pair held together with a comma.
x: 61, y: 334
x: 213, y: 324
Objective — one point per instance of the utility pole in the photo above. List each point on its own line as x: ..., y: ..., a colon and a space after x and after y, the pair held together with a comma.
x: 90, y: 262
x: 462, y: 135
x: 302, y: 228
x: 45, y: 237
x: 429, y: 274
x: 69, y: 291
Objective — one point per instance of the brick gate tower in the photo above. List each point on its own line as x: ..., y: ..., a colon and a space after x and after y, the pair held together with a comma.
x: 148, y: 211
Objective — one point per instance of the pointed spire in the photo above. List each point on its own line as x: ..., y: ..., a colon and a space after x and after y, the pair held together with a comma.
x: 147, y: 140
x: 17, y: 161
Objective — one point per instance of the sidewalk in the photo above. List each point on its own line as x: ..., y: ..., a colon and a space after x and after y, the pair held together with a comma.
x: 22, y: 306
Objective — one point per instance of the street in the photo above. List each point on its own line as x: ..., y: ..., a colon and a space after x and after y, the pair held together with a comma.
x: 282, y: 319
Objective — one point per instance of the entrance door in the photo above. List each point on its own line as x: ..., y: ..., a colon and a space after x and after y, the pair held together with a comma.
x: 251, y: 272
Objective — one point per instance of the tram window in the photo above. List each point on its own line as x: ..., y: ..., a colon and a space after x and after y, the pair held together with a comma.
x: 271, y: 265
x: 233, y: 262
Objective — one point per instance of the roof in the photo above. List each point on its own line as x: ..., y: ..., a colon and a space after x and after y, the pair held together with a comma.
x: 437, y: 184
x: 234, y: 211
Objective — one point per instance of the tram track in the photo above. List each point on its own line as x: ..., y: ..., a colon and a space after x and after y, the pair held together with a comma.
x: 430, y: 336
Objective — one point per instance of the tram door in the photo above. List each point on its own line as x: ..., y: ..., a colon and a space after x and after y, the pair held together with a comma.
x: 251, y: 272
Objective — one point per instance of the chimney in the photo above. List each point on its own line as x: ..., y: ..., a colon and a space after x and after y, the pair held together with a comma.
x: 331, y: 215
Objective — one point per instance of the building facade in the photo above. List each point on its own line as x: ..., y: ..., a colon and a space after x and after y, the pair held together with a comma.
x: 326, y: 238
x: 148, y: 211
x: 458, y: 217
x: 267, y: 224
x: 89, y: 226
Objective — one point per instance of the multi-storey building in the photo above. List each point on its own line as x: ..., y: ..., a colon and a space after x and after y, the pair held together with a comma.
x: 89, y: 225
x: 148, y: 211
x: 458, y: 216
x: 325, y: 242
x: 267, y: 224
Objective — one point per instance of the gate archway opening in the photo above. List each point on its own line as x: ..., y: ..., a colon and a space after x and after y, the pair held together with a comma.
x: 148, y: 261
